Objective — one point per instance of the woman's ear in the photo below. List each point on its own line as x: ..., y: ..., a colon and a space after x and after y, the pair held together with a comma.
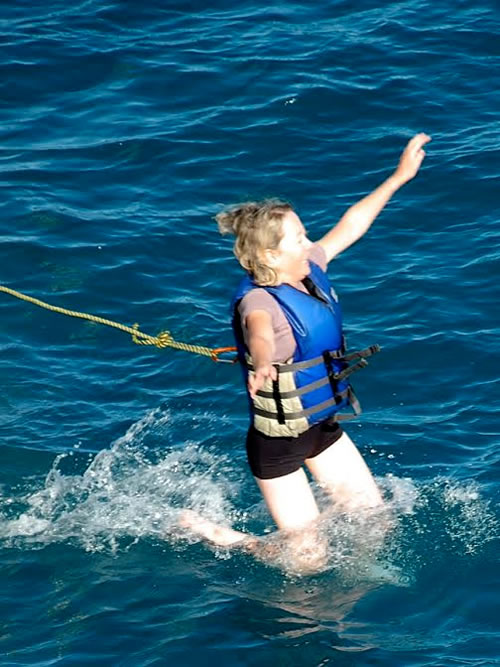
x: 270, y: 257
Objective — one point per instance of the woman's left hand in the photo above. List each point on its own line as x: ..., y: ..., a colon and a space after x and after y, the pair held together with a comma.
x: 411, y: 158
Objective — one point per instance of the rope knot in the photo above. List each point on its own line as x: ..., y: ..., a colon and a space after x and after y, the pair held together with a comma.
x: 164, y: 339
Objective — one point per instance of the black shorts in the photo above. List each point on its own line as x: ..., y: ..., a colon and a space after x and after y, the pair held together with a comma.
x: 274, y: 457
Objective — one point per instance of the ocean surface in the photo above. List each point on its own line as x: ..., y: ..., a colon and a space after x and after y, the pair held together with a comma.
x: 125, y: 127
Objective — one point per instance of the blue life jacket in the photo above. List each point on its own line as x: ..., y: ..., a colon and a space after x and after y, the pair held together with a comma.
x: 313, y: 386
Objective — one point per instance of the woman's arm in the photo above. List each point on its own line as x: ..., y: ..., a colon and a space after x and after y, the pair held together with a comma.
x: 261, y: 346
x: 358, y: 219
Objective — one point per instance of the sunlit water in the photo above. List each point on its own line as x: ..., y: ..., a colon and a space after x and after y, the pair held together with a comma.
x: 125, y: 128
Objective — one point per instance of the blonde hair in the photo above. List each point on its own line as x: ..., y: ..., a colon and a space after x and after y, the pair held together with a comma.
x: 258, y: 227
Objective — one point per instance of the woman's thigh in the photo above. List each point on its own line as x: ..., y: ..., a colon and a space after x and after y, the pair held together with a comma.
x: 342, y: 472
x: 290, y: 500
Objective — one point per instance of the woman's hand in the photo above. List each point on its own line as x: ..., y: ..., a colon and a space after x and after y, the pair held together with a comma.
x: 257, y: 379
x: 411, y: 158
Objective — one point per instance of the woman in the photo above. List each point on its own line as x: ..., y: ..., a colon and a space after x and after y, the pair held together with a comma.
x: 287, y: 324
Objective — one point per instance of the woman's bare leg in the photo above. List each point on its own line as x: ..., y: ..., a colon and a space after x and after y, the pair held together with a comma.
x: 344, y: 475
x: 290, y: 500
x: 293, y: 507
x: 218, y: 534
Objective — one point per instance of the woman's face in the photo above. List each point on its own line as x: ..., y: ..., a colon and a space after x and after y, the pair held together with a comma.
x: 290, y: 258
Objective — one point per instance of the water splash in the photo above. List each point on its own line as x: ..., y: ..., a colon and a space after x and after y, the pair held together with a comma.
x: 127, y: 492
x: 441, y: 523
x: 134, y: 491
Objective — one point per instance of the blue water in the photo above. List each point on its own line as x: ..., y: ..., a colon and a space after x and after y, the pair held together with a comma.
x: 125, y: 127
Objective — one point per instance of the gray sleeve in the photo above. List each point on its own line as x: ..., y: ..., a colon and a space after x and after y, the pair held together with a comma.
x: 259, y: 299
x: 318, y: 256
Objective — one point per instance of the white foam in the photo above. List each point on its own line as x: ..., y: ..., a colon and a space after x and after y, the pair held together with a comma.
x: 132, y: 491
x: 125, y: 493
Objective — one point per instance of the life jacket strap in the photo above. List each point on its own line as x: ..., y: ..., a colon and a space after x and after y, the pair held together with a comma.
x: 362, y: 363
x: 339, y: 397
x: 295, y: 392
x: 280, y: 413
x: 359, y: 354
x: 337, y: 355
x: 355, y: 405
x: 304, y: 413
x: 332, y: 377
x: 328, y: 361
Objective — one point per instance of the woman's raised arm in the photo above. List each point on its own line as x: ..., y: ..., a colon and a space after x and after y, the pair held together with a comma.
x: 358, y: 219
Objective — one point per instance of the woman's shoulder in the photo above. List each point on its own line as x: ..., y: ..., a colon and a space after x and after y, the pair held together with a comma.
x: 257, y: 299
x: 260, y: 299
x: 318, y: 256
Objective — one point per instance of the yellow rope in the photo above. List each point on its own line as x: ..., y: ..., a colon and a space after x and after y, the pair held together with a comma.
x: 163, y: 339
